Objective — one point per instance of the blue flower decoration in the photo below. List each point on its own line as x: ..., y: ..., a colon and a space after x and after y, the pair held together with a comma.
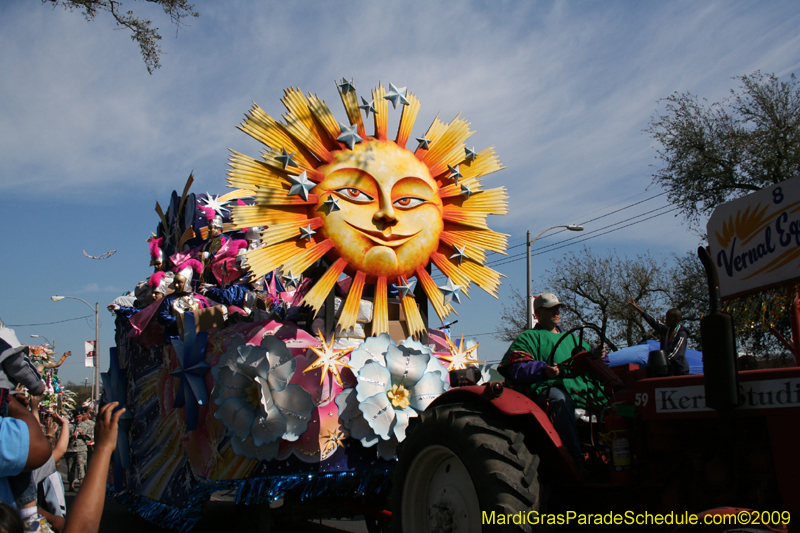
x: 191, y: 353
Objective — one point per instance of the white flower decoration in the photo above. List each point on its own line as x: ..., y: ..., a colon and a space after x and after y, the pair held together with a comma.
x: 395, y: 383
x: 256, y: 402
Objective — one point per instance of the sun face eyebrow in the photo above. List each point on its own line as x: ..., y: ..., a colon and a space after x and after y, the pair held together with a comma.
x: 412, y: 186
x: 355, y: 178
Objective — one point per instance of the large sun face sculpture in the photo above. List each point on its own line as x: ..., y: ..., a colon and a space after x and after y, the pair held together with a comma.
x: 376, y: 210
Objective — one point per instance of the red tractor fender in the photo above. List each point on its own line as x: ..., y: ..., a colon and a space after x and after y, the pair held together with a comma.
x: 512, y: 403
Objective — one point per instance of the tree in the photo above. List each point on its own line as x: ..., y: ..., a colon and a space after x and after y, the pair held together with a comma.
x: 720, y: 151
x: 514, y: 318
x: 142, y: 31
x: 595, y: 290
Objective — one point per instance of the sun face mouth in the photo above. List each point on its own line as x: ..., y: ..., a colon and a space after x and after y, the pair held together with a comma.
x: 379, y: 238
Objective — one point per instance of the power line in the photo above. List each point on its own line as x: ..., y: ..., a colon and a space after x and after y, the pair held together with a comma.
x: 596, y: 218
x: 47, y: 323
x: 562, y: 244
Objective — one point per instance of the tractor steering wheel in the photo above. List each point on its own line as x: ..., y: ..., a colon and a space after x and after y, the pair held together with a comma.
x: 566, y: 335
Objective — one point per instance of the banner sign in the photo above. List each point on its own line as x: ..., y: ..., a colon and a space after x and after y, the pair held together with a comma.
x: 90, y: 351
x: 755, y: 240
x: 766, y: 394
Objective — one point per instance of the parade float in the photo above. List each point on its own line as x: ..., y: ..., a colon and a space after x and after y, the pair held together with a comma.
x: 282, y: 345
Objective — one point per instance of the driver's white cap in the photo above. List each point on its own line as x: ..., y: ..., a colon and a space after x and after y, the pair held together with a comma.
x: 546, y: 299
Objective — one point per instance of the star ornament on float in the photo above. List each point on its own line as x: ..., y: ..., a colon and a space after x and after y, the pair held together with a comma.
x: 460, y: 358
x: 329, y: 359
x: 379, y: 211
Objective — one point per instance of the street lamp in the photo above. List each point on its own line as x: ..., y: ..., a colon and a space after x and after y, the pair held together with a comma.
x: 570, y: 227
x: 52, y: 344
x: 95, y: 372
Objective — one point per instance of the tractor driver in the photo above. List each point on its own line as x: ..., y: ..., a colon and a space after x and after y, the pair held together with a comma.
x: 528, y: 366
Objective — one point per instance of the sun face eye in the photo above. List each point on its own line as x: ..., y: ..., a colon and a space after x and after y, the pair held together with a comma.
x: 354, y: 195
x: 407, y: 202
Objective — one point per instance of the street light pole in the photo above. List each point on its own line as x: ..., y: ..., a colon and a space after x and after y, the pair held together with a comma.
x: 528, y: 241
x: 51, y: 343
x: 95, y: 371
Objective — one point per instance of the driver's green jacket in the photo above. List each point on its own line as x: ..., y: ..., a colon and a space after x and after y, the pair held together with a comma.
x: 533, y: 349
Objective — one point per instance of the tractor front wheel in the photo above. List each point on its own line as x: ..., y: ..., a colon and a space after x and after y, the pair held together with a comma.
x: 466, y: 470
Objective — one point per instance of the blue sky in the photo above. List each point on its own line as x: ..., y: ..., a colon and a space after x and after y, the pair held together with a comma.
x: 89, y: 141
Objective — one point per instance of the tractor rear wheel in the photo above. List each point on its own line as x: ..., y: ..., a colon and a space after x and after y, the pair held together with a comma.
x: 467, y: 470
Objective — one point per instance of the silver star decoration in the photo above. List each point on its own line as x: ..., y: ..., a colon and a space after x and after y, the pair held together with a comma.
x: 349, y: 135
x: 455, y: 173
x: 424, y: 143
x: 347, y: 86
x: 471, y: 154
x: 466, y: 191
x: 286, y: 159
x: 368, y: 106
x: 301, y: 185
x: 307, y: 232
x: 460, y: 254
x: 214, y: 203
x: 406, y: 289
x: 396, y: 96
x: 290, y: 280
x: 332, y: 203
x: 451, y: 292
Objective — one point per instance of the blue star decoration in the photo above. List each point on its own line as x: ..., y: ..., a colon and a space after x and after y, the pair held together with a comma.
x: 424, y: 144
x: 115, y: 385
x: 307, y: 232
x: 466, y: 191
x: 396, y: 96
x: 471, y: 154
x: 349, y: 135
x: 301, y: 185
x: 191, y: 354
x: 286, y: 159
x: 407, y: 288
x: 347, y: 86
x: 460, y: 254
x: 451, y: 292
x: 455, y: 173
x: 332, y: 203
x: 290, y: 280
x: 368, y: 106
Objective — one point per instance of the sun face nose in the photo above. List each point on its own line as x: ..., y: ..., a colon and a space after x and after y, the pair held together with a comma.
x: 385, y: 217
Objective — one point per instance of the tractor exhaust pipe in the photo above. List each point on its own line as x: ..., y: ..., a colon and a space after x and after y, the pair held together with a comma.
x: 718, y: 337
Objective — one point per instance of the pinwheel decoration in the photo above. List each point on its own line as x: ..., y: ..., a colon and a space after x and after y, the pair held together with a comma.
x: 191, y: 354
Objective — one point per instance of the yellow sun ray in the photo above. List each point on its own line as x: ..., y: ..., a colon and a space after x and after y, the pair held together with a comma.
x: 247, y: 216
x: 325, y: 117
x: 434, y: 294
x: 407, y: 120
x: 316, y: 296
x: 299, y: 131
x: 485, y: 163
x: 264, y: 260
x: 300, y: 263
x: 452, y: 269
x: 265, y: 129
x: 456, y: 214
x: 350, y: 102
x: 449, y: 148
x: 484, y: 238
x: 416, y: 327
x: 284, y: 232
x: 349, y: 316
x: 236, y: 195
x: 380, y: 308
x: 301, y: 107
x: 380, y: 116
